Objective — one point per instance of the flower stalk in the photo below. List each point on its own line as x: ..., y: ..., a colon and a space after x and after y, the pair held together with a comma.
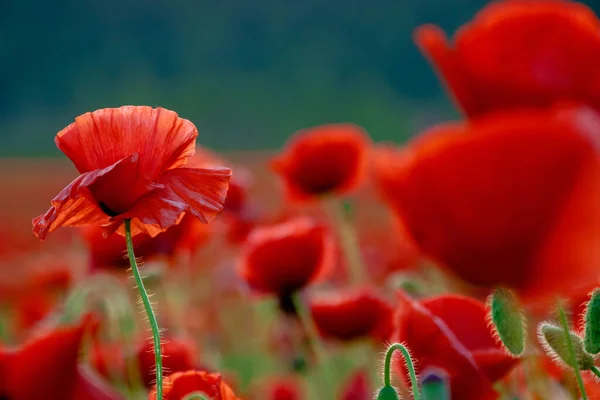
x: 148, y: 308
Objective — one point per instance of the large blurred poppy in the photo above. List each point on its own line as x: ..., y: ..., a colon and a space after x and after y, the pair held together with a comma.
x: 451, y: 333
x: 519, y: 53
x: 323, y: 160
x: 511, y: 199
x: 180, y: 385
x: 352, y: 313
x: 283, y: 258
x: 47, y: 367
x: 132, y: 164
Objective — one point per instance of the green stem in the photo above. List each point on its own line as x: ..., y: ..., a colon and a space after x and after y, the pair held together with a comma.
x: 348, y: 241
x: 409, y: 366
x: 315, y: 341
x: 148, y: 307
x: 571, y: 349
x: 596, y: 371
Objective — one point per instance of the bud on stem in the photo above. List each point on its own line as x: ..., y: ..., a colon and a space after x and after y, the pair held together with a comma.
x: 388, y: 392
x: 592, y: 324
x: 508, y: 320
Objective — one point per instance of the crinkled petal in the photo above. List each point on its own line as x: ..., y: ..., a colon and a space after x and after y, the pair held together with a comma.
x: 199, y: 192
x: 99, y: 139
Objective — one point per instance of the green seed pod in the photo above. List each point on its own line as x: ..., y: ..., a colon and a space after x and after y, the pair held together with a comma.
x: 434, y: 386
x: 592, y: 324
x: 388, y: 393
x: 554, y: 341
x: 508, y: 320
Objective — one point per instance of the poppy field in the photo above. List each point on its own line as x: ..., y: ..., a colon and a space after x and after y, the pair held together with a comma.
x: 463, y: 264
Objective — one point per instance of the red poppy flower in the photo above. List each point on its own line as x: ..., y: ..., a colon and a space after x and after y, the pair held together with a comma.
x: 178, y: 355
x: 519, y: 53
x: 46, y: 367
x: 179, y: 385
x: 451, y: 333
x: 510, y: 200
x: 132, y: 165
x: 283, y: 258
x: 280, y: 389
x: 352, y: 313
x: 323, y: 160
x: 111, y: 252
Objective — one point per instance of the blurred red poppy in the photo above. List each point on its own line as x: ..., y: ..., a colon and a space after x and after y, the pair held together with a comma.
x: 450, y: 332
x: 111, y: 252
x: 519, y: 53
x: 510, y: 200
x: 132, y: 164
x: 178, y: 355
x: 180, y: 385
x: 281, y: 389
x: 327, y: 159
x: 283, y: 258
x: 352, y: 313
x: 46, y: 366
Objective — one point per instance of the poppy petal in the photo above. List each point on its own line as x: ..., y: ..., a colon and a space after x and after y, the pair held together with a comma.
x: 90, y: 387
x: 99, y: 139
x: 197, y: 191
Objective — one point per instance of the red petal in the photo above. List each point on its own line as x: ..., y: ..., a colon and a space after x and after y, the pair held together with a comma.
x: 50, y: 361
x: 99, y: 139
x: 178, y: 356
x: 91, y: 387
x: 196, y: 191
x: 178, y: 385
x: 488, y: 219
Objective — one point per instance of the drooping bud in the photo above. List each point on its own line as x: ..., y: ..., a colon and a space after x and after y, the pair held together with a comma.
x: 508, y: 320
x: 435, y: 386
x: 554, y: 341
x: 388, y: 393
x: 196, y: 396
x: 592, y: 324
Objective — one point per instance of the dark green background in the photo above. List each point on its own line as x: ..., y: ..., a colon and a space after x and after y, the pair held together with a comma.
x: 248, y: 73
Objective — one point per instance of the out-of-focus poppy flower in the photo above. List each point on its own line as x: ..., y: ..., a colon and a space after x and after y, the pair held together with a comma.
x: 450, y: 332
x: 327, y: 159
x: 46, y: 366
x: 132, y: 164
x: 352, y: 313
x: 357, y: 387
x: 519, y: 53
x: 179, y: 385
x: 178, y: 355
x: 111, y: 252
x: 280, y: 388
x: 510, y: 200
x: 283, y: 258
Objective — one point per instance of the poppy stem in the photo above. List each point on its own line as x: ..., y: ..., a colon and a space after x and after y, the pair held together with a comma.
x: 571, y: 349
x: 348, y: 240
x: 409, y: 366
x: 315, y: 340
x: 148, y: 307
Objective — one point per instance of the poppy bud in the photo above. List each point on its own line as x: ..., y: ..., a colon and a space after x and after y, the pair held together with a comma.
x: 508, y: 320
x: 434, y: 385
x: 554, y: 342
x: 388, y: 393
x: 592, y: 324
x: 195, y: 396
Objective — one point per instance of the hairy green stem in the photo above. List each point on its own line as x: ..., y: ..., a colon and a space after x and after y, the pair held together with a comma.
x: 596, y: 371
x: 409, y: 365
x: 571, y: 349
x: 148, y: 307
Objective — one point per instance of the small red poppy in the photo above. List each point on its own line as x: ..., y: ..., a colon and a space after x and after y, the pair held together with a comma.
x: 132, y: 164
x: 511, y: 199
x: 357, y: 387
x: 47, y: 367
x: 281, y: 389
x: 179, y: 385
x: 178, y: 355
x: 519, y: 53
x: 450, y: 332
x: 352, y: 313
x: 327, y: 159
x: 283, y: 258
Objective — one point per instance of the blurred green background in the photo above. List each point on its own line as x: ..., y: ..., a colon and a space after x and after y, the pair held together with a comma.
x: 247, y: 73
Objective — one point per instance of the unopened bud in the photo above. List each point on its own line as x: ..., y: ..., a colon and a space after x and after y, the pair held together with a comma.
x: 508, y: 320
x: 554, y: 341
